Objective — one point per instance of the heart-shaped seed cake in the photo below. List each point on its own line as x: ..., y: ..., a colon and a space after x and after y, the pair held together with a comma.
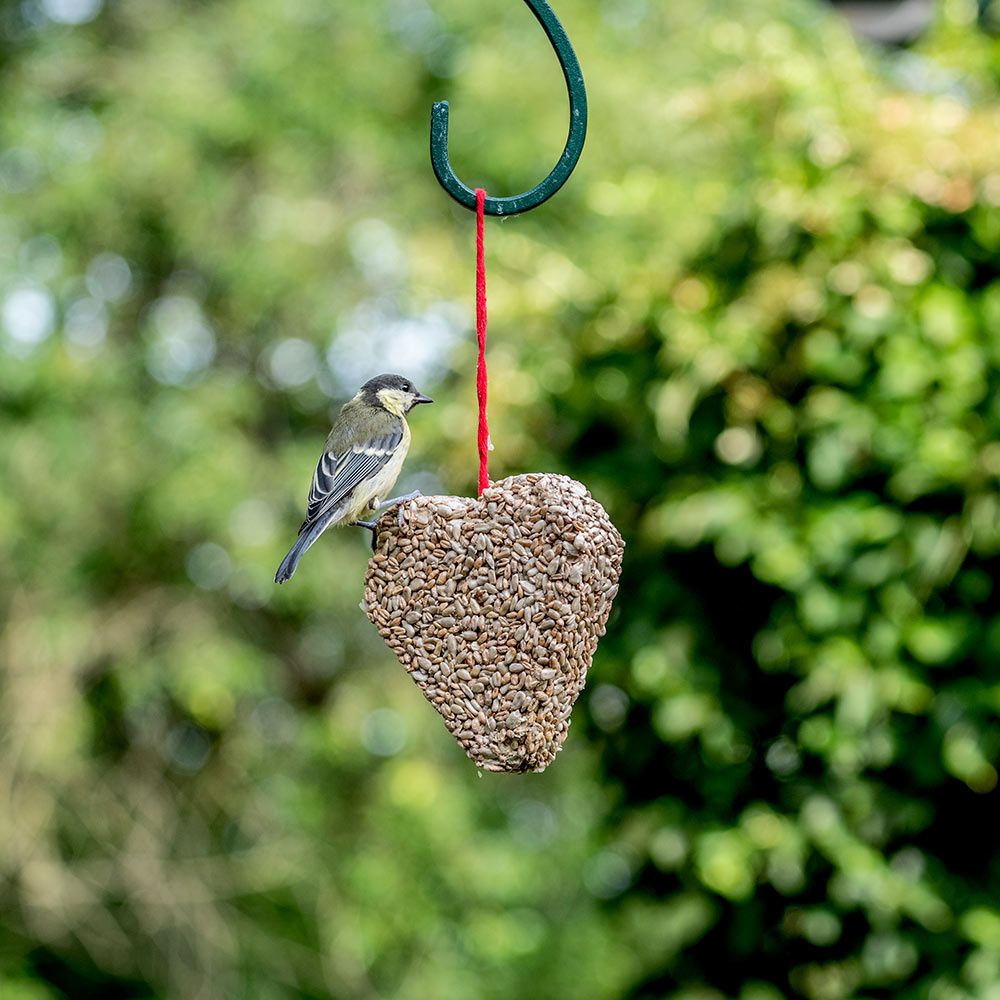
x: 495, y: 606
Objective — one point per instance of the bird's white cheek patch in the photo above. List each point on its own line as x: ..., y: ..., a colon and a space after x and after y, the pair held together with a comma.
x: 495, y: 607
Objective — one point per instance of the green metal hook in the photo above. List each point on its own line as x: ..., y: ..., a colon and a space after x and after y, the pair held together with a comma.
x: 574, y: 143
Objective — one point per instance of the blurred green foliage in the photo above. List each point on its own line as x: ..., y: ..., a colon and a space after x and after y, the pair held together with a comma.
x: 761, y: 323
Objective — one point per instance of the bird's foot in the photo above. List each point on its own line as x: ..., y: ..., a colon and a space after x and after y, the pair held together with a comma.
x: 397, y: 502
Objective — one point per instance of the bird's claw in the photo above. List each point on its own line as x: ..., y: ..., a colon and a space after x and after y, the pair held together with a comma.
x: 397, y: 502
x: 380, y: 509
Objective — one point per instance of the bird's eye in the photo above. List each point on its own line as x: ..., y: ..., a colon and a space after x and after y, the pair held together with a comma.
x: 407, y: 387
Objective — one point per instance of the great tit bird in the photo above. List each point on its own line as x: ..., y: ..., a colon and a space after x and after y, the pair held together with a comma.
x: 360, y: 462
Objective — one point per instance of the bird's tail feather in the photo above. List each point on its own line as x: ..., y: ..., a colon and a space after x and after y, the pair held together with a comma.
x: 291, y: 561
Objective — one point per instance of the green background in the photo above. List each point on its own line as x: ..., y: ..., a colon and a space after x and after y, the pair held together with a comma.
x: 761, y: 323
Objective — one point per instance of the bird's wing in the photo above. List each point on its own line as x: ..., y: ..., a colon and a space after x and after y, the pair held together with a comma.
x: 338, y: 474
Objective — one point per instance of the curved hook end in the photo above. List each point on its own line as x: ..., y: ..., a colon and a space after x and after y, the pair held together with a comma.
x: 465, y: 195
x: 439, y: 158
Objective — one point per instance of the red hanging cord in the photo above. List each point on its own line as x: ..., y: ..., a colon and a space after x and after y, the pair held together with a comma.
x: 484, y: 430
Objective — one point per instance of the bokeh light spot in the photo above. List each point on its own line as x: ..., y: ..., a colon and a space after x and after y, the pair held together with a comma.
x: 109, y: 277
x: 71, y: 11
x: 182, y: 342
x: 292, y: 362
x: 28, y: 317
x: 209, y: 566
x: 383, y: 732
x: 609, y: 706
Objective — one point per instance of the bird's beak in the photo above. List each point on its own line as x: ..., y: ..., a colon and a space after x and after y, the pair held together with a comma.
x: 421, y: 398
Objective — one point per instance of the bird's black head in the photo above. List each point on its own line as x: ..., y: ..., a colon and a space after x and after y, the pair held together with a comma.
x: 394, y: 393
